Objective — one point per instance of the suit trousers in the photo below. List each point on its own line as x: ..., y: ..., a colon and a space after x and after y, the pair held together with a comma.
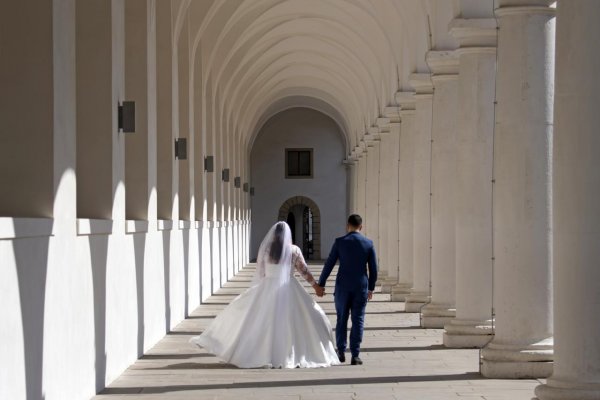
x: 350, y: 303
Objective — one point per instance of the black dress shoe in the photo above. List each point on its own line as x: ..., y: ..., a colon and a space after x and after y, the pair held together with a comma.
x: 341, y: 356
x: 356, y: 361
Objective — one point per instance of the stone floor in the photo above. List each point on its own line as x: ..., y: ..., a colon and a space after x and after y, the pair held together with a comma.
x: 401, y: 361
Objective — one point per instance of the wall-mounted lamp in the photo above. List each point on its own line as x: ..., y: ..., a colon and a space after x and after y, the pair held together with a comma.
x: 246, y: 187
x: 225, y: 175
x: 209, y: 164
x: 126, y: 117
x: 181, y: 149
x: 237, y: 182
x: 251, y: 191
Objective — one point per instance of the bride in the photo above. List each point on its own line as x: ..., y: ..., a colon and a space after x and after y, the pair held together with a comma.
x: 275, y: 323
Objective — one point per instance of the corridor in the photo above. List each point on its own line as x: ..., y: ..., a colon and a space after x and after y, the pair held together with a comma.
x: 402, y: 361
x: 147, y: 147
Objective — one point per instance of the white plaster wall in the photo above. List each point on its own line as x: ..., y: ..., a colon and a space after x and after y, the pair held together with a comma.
x: 80, y: 300
x: 79, y: 309
x: 298, y: 128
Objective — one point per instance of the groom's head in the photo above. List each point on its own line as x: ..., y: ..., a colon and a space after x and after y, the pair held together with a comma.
x: 354, y: 223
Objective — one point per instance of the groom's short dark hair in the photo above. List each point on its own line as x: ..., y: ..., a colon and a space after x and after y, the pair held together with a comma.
x: 355, y: 220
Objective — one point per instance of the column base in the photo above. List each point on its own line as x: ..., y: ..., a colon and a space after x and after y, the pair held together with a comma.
x: 467, y: 334
x: 400, y: 291
x: 415, y: 301
x: 565, y: 390
x: 387, y: 284
x: 437, y: 315
x: 502, y: 361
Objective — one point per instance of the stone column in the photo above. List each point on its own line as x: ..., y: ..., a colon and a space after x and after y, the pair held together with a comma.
x: 350, y: 163
x: 522, y: 345
x: 372, y: 195
x: 405, y: 163
x: 576, y: 199
x: 389, y: 128
x: 420, y: 291
x: 361, y: 181
x: 444, y: 67
x: 472, y: 326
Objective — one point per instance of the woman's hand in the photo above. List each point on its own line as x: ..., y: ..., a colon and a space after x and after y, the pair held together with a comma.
x: 319, y: 290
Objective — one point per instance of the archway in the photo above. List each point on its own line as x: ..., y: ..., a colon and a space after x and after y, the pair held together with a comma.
x: 312, y: 215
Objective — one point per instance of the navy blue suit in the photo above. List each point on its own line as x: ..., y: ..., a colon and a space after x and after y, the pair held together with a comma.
x: 355, y: 252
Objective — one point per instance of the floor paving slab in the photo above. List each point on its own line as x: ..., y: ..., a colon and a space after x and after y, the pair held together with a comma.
x: 401, y: 361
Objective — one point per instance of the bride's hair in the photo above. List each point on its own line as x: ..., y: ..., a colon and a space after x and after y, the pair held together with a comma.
x: 276, y: 249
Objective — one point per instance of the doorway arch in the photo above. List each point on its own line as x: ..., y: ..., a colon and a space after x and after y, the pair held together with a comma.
x: 285, y: 209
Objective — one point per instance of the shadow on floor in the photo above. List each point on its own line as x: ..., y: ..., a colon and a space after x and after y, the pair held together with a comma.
x: 192, y: 365
x: 295, y: 383
x: 408, y: 348
x: 174, y: 356
x: 374, y: 312
x: 370, y: 301
x: 388, y: 328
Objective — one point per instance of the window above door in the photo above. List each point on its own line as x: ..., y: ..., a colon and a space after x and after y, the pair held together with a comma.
x: 298, y: 163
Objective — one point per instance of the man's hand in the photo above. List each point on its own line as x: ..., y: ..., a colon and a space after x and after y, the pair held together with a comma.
x: 370, y: 295
x: 319, y: 290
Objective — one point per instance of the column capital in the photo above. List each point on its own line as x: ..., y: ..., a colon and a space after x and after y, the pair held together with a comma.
x: 515, y: 7
x: 374, y: 132
x: 442, y: 63
x: 392, y: 113
x: 382, y: 126
x: 407, y: 102
x: 356, y: 153
x: 422, y: 84
x: 361, y: 149
x: 371, y: 139
x: 475, y: 33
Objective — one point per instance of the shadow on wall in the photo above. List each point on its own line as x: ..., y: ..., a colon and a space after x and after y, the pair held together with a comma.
x: 31, y: 256
x: 201, y: 267
x: 166, y: 236
x: 99, y: 254
x: 186, y: 271
x: 139, y: 248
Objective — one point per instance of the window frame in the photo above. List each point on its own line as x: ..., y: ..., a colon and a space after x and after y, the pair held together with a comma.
x: 311, y: 155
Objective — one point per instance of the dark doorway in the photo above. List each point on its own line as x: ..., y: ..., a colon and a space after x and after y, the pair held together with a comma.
x: 304, y: 218
x: 291, y: 221
x: 307, y: 234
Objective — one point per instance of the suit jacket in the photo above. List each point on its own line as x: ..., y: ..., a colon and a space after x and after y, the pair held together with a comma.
x: 355, y: 252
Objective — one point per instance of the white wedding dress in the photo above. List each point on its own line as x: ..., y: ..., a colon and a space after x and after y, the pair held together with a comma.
x: 275, y: 323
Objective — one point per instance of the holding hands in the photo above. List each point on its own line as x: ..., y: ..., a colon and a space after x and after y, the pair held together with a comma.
x: 319, y: 290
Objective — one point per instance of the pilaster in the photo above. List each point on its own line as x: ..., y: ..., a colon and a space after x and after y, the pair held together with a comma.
x: 371, y: 217
x: 388, y: 128
x: 420, y: 291
x: 472, y: 326
x: 405, y: 164
x: 576, y: 195
x: 441, y: 309
x: 523, y: 345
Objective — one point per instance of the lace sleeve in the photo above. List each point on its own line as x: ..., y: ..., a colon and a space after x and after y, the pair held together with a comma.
x: 300, y: 265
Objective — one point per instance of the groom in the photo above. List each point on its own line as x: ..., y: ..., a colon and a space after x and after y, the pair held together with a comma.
x: 353, y: 285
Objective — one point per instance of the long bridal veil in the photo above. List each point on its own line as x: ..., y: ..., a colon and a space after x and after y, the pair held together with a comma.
x: 275, y: 254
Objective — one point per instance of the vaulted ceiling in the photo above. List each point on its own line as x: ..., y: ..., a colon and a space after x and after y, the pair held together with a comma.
x: 345, y: 58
